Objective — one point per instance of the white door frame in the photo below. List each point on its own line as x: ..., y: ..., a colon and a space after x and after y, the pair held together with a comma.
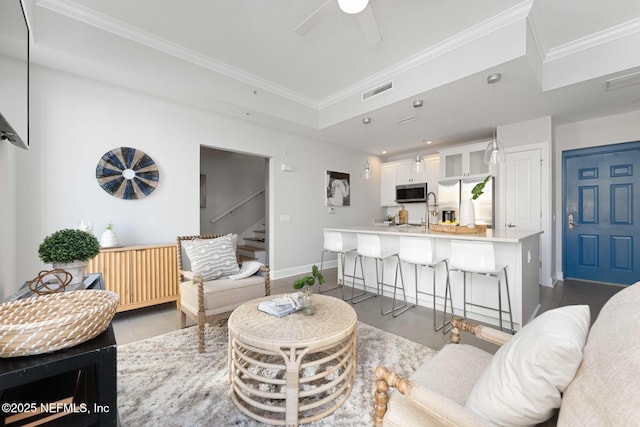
x: 546, y: 238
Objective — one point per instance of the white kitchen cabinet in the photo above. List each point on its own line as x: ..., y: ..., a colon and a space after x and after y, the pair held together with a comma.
x: 401, y: 172
x: 432, y: 164
x: 463, y: 162
x: 406, y: 174
x: 388, y: 184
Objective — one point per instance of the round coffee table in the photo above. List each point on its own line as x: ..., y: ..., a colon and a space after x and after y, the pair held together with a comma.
x: 294, y: 369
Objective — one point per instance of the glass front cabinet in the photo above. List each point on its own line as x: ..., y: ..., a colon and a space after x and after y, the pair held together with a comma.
x: 463, y: 161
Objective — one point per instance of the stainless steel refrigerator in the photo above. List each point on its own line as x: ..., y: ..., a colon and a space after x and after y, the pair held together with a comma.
x: 452, y: 191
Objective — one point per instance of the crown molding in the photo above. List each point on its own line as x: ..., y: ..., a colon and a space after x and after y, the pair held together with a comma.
x: 98, y: 20
x: 488, y: 26
x: 584, y: 43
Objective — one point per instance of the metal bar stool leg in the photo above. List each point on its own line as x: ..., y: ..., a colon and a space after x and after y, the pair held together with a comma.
x: 506, y: 282
x: 447, y: 292
x: 396, y: 311
x: 323, y: 290
x: 364, y: 284
x: 499, y: 301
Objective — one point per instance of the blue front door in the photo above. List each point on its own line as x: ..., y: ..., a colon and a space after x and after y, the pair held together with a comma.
x: 601, y: 224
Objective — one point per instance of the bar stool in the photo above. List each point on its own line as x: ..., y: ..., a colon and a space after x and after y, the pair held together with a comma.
x: 420, y: 253
x: 340, y: 244
x: 370, y: 246
x: 479, y: 258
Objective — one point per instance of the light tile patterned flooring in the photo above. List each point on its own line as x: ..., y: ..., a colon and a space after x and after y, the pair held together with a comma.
x: 415, y: 324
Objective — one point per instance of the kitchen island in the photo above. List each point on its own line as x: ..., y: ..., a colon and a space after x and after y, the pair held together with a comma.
x: 519, y: 250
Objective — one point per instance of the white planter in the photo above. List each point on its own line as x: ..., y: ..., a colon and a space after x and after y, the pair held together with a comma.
x: 108, y: 239
x: 75, y: 268
x: 467, y: 214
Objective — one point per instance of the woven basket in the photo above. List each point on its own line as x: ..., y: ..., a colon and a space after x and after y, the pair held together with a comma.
x: 46, y: 323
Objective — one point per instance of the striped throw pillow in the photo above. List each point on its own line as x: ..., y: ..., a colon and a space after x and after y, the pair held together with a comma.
x: 212, y: 258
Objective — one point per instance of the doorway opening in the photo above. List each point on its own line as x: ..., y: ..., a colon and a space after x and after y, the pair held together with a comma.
x: 234, y: 198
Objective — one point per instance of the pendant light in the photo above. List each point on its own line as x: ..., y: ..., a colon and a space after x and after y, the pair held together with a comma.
x: 367, y: 170
x: 352, y: 6
x: 494, y: 153
x: 418, y: 163
x: 367, y: 167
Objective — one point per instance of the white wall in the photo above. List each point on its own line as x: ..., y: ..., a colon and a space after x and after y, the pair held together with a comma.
x: 10, y: 70
x: 75, y: 121
x: 8, y: 236
x: 534, y: 134
x: 588, y: 133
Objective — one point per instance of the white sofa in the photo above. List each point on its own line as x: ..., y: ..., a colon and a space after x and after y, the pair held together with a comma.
x: 602, y: 386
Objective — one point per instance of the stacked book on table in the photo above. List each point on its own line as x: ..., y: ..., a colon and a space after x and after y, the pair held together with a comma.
x: 283, y: 305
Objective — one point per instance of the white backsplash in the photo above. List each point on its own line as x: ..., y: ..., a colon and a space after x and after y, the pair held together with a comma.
x: 417, y: 212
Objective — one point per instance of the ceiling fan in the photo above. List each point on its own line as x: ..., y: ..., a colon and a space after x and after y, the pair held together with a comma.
x: 359, y: 8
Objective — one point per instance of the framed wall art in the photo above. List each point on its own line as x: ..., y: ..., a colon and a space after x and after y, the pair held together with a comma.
x: 338, y: 189
x: 127, y: 173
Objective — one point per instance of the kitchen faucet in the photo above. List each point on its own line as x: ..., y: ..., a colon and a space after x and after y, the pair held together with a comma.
x: 431, y: 208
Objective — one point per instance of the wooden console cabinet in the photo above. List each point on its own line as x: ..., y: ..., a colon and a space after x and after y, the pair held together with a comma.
x: 141, y: 275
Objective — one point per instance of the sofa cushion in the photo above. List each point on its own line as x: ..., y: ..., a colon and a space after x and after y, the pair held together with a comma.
x: 212, y: 258
x: 453, y: 371
x: 604, y: 391
x: 523, y: 383
x: 222, y: 295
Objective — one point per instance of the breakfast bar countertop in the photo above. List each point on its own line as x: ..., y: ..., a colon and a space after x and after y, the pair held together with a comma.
x: 507, y: 236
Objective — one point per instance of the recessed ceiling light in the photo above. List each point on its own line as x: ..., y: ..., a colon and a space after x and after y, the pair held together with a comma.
x: 429, y: 142
x: 384, y: 151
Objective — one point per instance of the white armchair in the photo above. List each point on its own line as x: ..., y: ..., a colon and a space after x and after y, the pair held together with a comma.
x: 205, y: 299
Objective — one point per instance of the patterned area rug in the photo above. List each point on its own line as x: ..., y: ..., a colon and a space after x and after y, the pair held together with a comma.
x: 165, y: 381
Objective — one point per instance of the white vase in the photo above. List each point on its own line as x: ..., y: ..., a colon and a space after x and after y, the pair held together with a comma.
x: 108, y: 239
x: 75, y: 268
x: 467, y: 214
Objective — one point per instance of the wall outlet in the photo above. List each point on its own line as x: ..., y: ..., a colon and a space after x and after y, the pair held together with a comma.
x: 331, y: 210
x: 285, y: 218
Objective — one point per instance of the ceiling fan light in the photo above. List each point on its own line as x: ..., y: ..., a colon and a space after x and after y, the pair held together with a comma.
x: 352, y: 6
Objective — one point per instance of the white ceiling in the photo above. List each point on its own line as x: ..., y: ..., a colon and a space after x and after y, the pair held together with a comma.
x: 242, y: 58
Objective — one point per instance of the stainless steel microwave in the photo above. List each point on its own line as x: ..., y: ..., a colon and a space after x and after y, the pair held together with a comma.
x: 411, y: 193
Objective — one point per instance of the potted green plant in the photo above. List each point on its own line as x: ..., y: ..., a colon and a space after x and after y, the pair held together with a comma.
x: 306, y: 282
x: 109, y: 238
x: 69, y: 250
x: 467, y: 210
x: 478, y: 189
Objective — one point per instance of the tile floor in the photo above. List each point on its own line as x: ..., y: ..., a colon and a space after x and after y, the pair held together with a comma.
x: 415, y: 324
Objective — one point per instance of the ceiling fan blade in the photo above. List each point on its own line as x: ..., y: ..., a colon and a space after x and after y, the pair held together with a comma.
x: 369, y: 26
x: 316, y: 17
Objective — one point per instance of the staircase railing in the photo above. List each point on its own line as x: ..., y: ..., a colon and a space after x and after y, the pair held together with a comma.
x: 233, y: 208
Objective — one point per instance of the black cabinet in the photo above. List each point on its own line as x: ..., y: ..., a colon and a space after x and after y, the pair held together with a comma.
x: 70, y: 387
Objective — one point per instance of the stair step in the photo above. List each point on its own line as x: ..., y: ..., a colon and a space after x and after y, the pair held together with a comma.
x: 248, y: 248
x: 242, y: 258
x: 254, y: 239
x: 260, y: 231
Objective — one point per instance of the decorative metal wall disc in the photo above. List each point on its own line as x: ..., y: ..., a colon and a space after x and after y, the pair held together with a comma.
x: 127, y: 173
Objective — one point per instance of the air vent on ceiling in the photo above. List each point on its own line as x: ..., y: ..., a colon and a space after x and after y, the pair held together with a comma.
x: 377, y: 91
x: 622, y: 81
x: 406, y: 119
